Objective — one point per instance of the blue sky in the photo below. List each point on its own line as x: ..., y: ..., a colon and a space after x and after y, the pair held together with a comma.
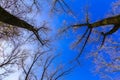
x: 98, y: 9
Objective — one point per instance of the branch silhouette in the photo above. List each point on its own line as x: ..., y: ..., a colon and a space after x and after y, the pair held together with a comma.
x: 8, y: 18
x: 114, y: 20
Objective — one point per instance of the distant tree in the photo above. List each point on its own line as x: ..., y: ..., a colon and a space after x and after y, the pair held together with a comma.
x: 41, y: 68
x: 107, y: 61
x: 31, y: 65
x: 11, y: 53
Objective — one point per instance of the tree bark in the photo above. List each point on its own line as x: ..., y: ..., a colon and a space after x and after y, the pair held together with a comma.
x: 8, y: 18
x: 114, y: 20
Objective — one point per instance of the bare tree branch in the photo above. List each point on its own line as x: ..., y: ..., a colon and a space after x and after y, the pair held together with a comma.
x: 7, y: 18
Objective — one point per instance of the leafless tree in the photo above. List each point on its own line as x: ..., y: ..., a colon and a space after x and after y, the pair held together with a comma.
x: 12, y: 19
x: 11, y: 54
x: 41, y: 68
x: 30, y: 65
x: 103, y: 33
x: 106, y: 59
x: 91, y: 28
x: 9, y: 17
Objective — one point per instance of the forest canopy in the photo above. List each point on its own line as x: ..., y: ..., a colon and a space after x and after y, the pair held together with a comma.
x: 34, y: 32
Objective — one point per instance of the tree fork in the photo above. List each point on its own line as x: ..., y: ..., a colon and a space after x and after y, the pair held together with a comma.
x: 8, y: 18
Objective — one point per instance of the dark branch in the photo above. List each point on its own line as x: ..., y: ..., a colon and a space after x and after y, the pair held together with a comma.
x: 8, y: 18
x: 89, y: 33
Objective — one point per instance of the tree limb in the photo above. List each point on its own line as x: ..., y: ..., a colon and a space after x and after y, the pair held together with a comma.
x: 8, y: 18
